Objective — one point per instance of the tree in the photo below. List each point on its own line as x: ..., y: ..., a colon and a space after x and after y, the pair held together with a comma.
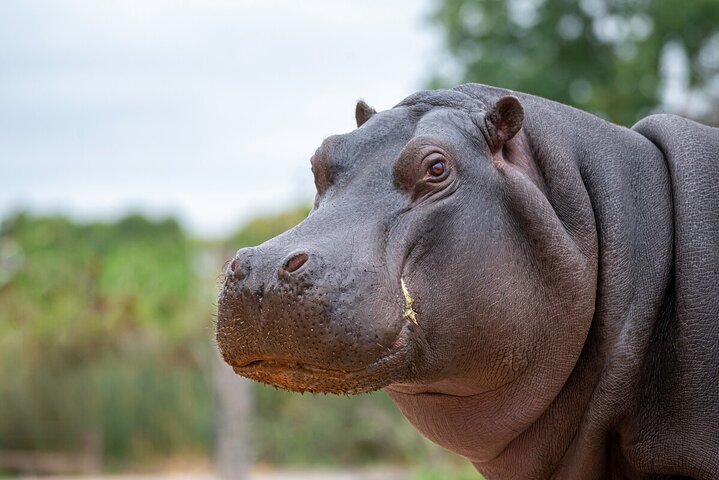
x: 604, y: 56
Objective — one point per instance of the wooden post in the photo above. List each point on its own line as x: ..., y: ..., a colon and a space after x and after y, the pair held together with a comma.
x: 233, y: 457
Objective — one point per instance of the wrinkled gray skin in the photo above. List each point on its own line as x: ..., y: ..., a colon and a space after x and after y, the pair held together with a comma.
x: 564, y: 273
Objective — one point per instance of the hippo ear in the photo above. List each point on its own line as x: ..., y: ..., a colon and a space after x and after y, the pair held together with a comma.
x: 363, y: 112
x: 503, y: 121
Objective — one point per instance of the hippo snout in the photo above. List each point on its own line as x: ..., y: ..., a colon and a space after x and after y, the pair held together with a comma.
x: 241, y: 266
x: 298, y: 319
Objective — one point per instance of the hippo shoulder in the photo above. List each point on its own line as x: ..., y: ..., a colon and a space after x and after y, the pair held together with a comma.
x: 676, y: 131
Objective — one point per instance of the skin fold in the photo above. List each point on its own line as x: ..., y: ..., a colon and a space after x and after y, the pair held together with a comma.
x: 536, y: 289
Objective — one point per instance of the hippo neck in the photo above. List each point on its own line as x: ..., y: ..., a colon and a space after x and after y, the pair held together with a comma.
x: 627, y: 182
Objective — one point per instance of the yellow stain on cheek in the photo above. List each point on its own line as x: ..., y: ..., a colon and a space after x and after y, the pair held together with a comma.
x: 409, y: 313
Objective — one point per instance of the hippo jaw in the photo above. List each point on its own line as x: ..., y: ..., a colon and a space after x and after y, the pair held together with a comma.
x: 317, y: 329
x: 306, y: 377
x: 295, y: 370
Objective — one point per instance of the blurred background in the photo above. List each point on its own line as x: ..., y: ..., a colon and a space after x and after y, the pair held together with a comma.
x: 143, y: 142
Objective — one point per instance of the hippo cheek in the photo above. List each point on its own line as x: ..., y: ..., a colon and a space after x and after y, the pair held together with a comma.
x: 330, y: 333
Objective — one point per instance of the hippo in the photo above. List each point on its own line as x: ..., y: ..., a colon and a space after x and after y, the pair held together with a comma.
x: 536, y: 289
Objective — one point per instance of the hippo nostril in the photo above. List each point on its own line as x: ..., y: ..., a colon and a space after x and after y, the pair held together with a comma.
x: 235, y: 269
x: 294, y: 263
x: 239, y: 267
x: 231, y: 270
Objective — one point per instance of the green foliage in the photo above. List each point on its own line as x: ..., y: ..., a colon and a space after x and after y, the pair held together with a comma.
x: 263, y: 228
x: 326, y: 429
x: 102, y: 332
x: 601, y: 56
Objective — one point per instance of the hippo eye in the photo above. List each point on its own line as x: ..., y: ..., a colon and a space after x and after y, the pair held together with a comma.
x: 437, y: 169
x: 423, y: 169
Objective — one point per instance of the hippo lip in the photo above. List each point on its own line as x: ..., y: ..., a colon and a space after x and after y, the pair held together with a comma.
x: 279, y: 364
x: 276, y: 366
x: 305, y: 377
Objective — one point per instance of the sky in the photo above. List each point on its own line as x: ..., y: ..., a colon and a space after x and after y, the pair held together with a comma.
x: 206, y: 110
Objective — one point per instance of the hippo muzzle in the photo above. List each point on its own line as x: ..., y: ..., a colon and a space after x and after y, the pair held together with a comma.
x: 312, y: 319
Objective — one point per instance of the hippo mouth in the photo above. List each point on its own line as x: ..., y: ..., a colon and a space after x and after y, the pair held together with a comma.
x: 318, y: 329
x: 299, y: 376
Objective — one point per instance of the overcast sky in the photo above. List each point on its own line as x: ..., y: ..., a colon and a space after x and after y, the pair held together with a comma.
x: 208, y: 110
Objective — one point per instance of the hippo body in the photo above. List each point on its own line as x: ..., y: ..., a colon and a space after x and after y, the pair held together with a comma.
x: 536, y: 289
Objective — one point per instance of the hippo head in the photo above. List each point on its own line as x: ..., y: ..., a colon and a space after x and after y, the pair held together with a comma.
x: 420, y: 266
